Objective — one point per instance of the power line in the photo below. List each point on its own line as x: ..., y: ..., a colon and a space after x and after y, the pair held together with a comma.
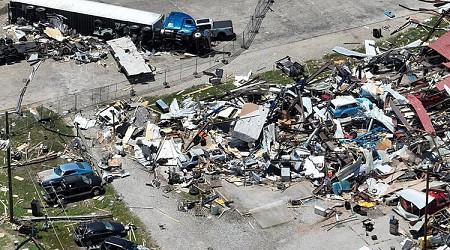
x: 46, y: 211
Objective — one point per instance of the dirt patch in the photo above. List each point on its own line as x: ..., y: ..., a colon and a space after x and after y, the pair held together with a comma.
x: 3, y: 8
x: 6, y: 240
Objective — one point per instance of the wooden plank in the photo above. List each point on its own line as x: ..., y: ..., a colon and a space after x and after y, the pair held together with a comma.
x: 400, y: 185
x: 128, y: 134
x: 197, y: 91
x: 399, y: 114
x: 66, y: 218
x: 393, y: 177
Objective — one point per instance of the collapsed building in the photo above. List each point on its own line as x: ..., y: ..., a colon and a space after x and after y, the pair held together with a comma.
x: 372, y: 131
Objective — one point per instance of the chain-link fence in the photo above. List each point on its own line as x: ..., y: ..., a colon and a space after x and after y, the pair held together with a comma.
x: 178, y: 73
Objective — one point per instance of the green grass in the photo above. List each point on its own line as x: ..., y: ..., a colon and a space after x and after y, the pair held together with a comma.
x: 6, y: 240
x: 25, y: 128
x: 275, y: 76
x: 213, y: 91
x: 412, y: 34
x: 28, y: 189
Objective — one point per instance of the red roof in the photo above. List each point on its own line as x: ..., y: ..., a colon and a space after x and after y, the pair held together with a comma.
x: 442, y: 45
x: 440, y: 85
x: 421, y: 112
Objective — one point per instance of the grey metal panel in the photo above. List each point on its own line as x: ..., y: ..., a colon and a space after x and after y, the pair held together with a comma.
x: 249, y: 128
x: 415, y: 197
x: 128, y: 57
x: 98, y: 9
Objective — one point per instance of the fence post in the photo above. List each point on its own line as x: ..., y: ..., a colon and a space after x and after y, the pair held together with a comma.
x: 165, y: 83
x: 115, y: 93
x: 59, y: 106
x: 76, y: 102
x: 196, y: 69
x: 232, y: 43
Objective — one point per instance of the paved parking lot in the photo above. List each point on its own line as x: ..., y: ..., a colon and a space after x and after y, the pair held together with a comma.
x: 285, y: 31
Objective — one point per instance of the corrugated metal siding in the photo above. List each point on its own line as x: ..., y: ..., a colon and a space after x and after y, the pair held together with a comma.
x: 98, y: 9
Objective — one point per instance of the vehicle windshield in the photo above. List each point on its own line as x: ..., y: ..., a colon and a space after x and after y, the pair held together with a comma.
x: 108, y: 226
x: 58, y: 171
x: 201, y: 21
x: 80, y: 165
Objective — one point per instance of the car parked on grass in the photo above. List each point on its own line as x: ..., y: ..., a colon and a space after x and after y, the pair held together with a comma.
x: 94, y: 233
x: 55, y: 175
x: 117, y: 243
x: 72, y: 187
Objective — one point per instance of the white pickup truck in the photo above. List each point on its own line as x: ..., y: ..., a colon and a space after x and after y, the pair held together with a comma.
x: 220, y: 30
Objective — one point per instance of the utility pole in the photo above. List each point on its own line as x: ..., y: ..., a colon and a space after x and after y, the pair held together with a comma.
x: 8, y: 149
x: 427, y: 189
x: 8, y: 161
x: 425, y: 226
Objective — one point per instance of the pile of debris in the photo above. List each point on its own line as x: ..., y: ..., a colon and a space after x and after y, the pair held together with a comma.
x: 371, y: 132
x: 52, y: 39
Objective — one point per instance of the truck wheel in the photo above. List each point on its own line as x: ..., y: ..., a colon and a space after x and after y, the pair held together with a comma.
x: 221, y: 36
x: 96, y: 191
x: 88, y: 244
x: 134, y: 28
x: 146, y: 29
x: 98, y: 23
x: 65, y: 51
x: 61, y: 200
x: 9, y: 41
x: 107, y: 36
x: 14, y: 52
x: 197, y: 35
x: 193, y: 190
x: 40, y: 10
x: 126, y: 30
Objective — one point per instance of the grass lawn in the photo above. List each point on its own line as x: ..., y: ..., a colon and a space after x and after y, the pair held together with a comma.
x: 55, y: 135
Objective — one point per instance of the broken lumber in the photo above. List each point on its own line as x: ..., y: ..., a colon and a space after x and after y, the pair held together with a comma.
x: 67, y: 218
